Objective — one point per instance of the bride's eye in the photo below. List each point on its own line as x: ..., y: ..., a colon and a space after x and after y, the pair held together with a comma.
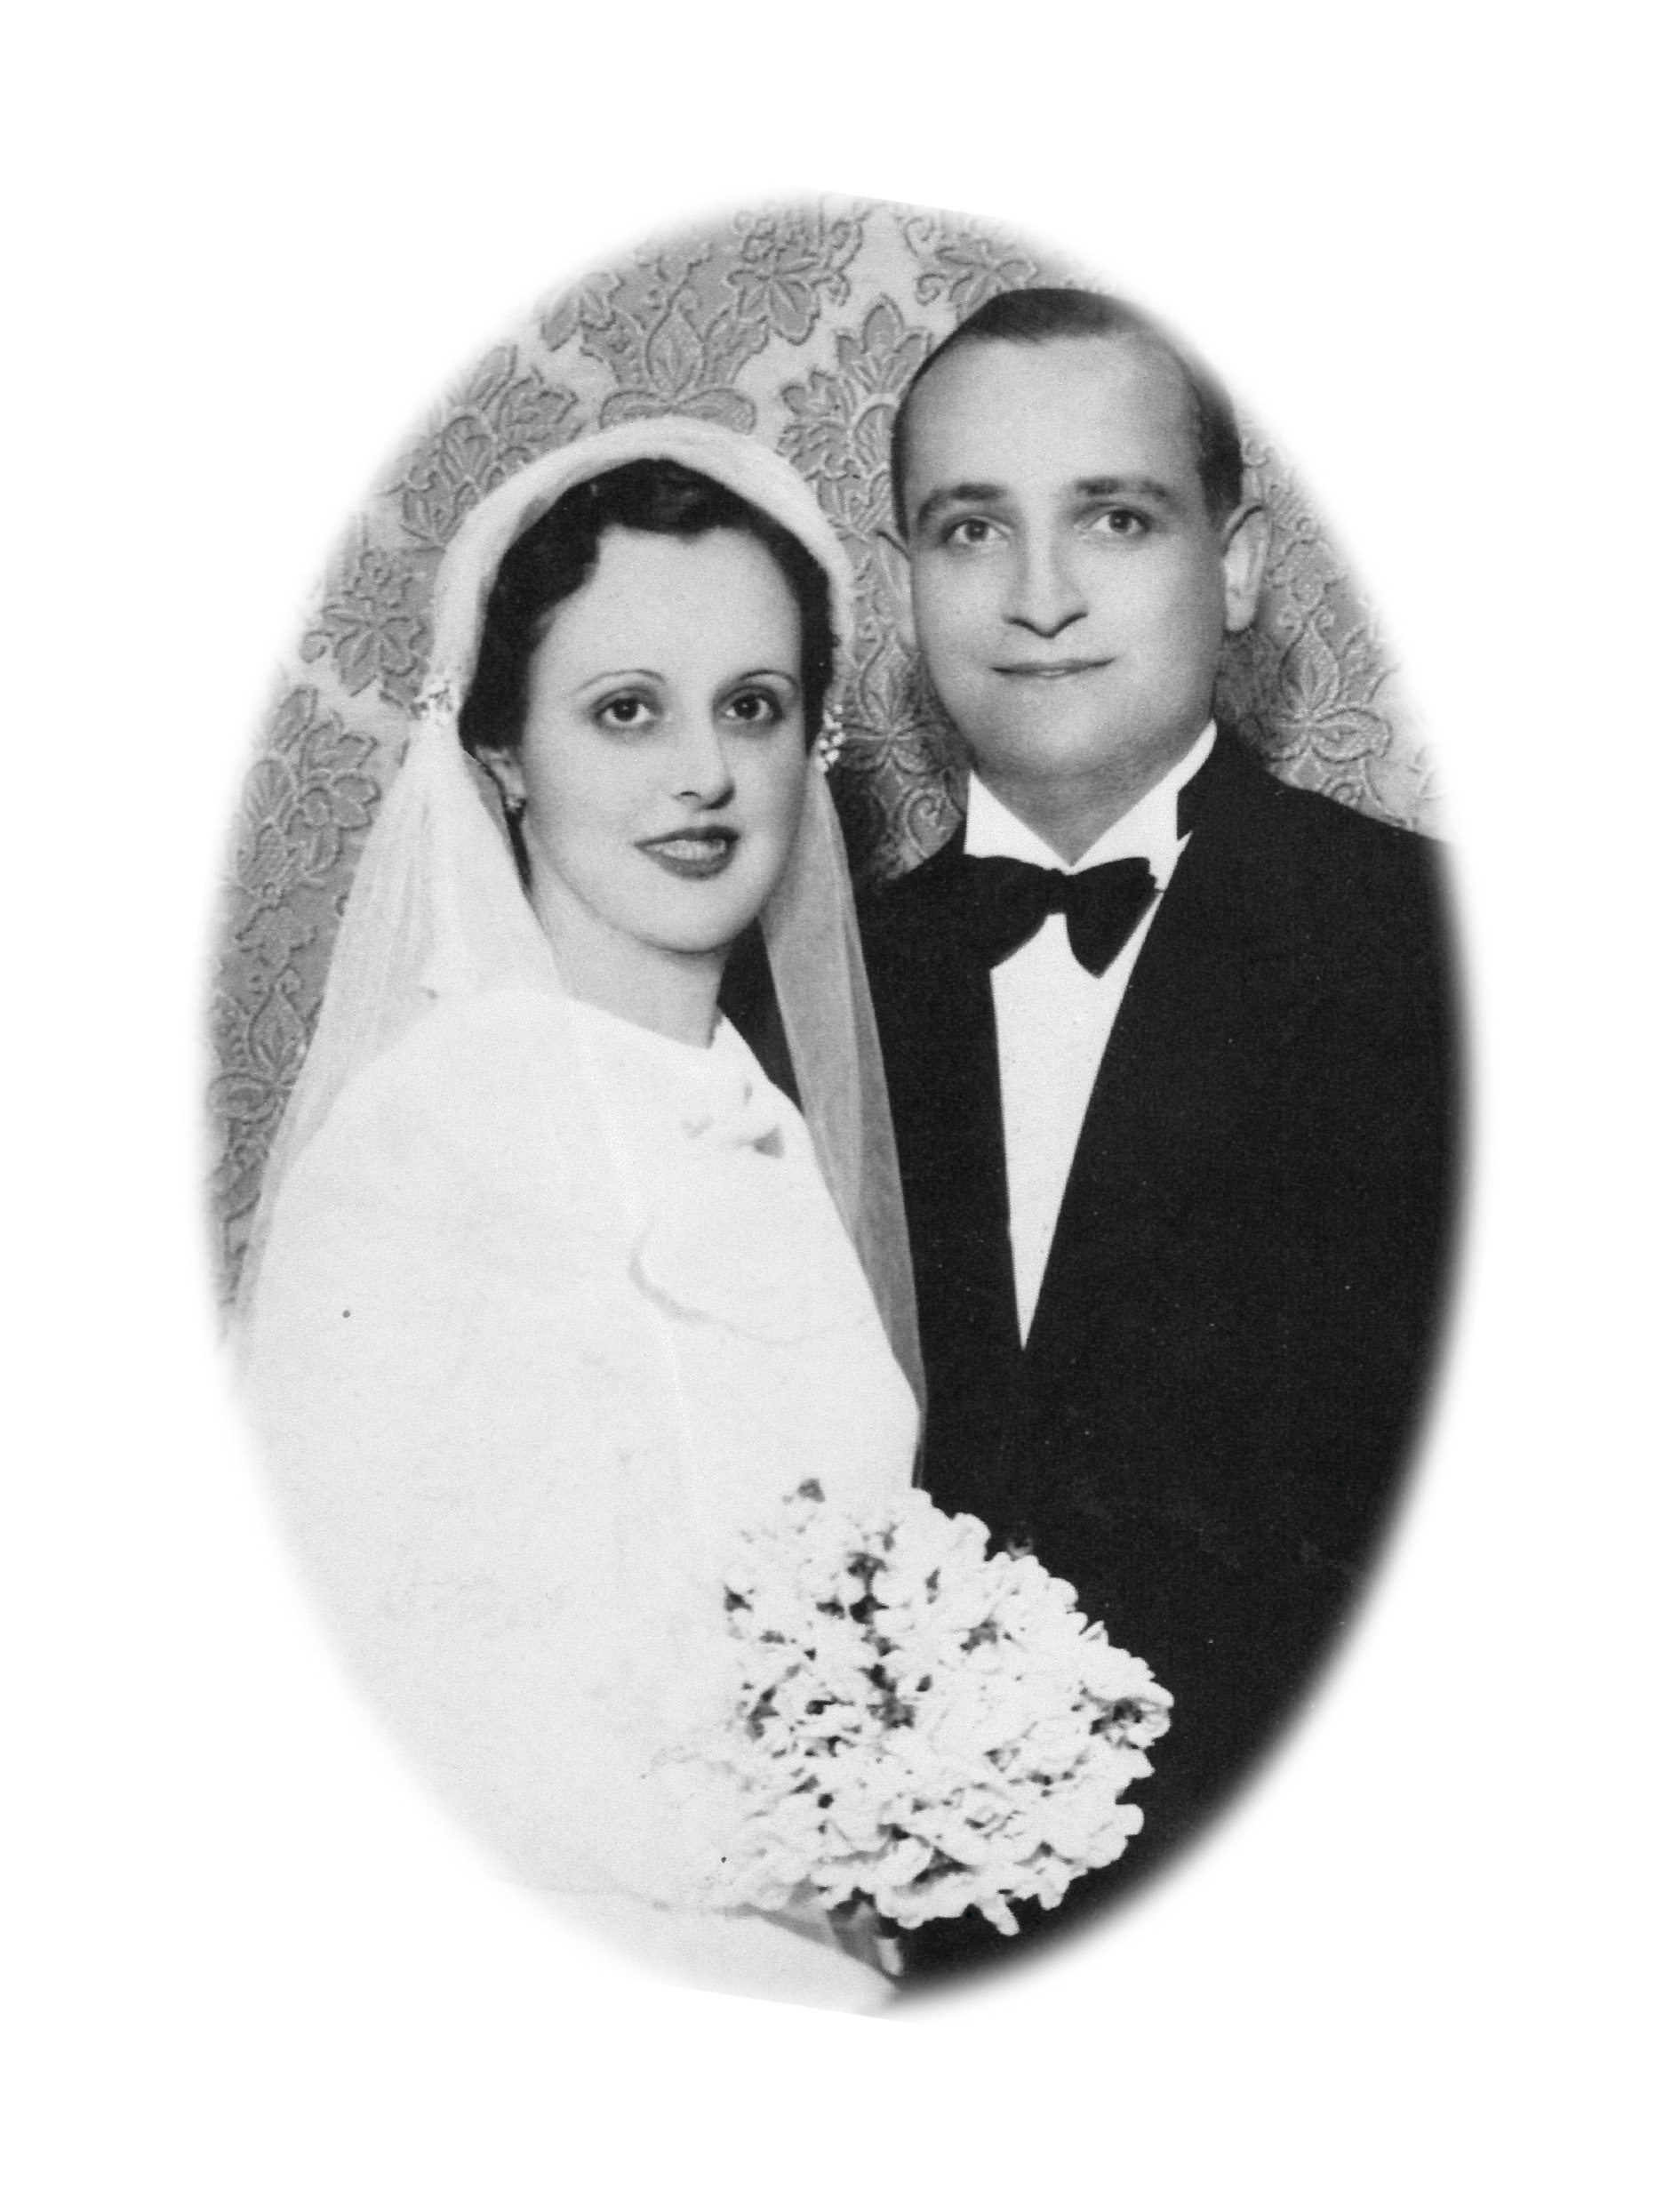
x: 757, y: 709
x: 624, y: 713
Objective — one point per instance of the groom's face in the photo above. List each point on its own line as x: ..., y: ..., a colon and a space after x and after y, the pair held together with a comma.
x: 1069, y: 588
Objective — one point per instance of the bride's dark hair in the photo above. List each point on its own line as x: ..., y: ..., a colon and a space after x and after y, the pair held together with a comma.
x: 557, y: 554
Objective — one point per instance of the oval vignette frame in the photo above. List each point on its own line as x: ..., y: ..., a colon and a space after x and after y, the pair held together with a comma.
x: 799, y: 323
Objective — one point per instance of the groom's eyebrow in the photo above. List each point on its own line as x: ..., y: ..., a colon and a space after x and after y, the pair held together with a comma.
x: 1143, y: 486
x: 958, y: 494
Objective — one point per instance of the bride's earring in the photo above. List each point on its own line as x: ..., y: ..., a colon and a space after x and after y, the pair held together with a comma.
x: 513, y: 810
x: 509, y: 782
x: 509, y: 785
x: 830, y: 738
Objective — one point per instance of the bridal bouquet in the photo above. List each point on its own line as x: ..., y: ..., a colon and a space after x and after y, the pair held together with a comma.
x: 916, y: 1724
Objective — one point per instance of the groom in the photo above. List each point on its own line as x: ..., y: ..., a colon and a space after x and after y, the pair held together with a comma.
x: 1169, y: 1047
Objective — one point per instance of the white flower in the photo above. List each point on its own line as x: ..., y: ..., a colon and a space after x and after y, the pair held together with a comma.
x: 915, y: 1722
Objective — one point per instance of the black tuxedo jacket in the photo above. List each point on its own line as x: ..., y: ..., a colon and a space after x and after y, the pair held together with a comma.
x: 1204, y: 1428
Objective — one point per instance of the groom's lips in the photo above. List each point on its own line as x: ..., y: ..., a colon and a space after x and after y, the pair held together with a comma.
x: 692, y: 852
x: 1049, y: 669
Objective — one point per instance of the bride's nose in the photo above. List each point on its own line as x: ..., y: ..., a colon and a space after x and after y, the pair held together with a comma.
x: 702, y: 773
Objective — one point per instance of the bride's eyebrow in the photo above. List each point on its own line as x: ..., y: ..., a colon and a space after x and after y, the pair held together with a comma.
x: 620, y: 673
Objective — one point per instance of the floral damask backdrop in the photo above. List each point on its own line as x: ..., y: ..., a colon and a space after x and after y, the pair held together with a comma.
x: 800, y: 325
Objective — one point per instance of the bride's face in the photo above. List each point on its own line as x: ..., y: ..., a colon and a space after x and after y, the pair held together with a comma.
x: 663, y: 764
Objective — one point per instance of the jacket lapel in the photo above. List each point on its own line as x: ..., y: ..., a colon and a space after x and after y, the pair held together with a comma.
x: 1216, y: 993
x: 948, y: 1092
x: 933, y: 1001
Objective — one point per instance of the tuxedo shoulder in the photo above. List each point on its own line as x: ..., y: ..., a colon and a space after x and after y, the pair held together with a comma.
x: 1367, y: 874
x: 893, y: 913
x: 910, y: 888
x: 1377, y: 841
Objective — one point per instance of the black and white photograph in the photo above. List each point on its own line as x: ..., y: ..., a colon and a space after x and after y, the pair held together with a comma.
x: 624, y: 1224
x: 845, y: 1316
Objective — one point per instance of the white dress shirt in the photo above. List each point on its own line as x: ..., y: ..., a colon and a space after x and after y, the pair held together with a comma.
x: 1054, y: 1017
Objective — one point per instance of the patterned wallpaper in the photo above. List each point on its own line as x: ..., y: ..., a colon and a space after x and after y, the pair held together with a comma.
x: 800, y: 325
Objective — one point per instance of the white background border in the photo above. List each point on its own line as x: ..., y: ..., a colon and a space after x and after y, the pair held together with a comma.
x: 250, y: 1961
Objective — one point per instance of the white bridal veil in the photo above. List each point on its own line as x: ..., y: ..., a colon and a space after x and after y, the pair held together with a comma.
x: 469, y: 1418
x: 436, y: 912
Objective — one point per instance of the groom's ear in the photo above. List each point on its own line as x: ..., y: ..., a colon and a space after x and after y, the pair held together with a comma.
x: 895, y: 561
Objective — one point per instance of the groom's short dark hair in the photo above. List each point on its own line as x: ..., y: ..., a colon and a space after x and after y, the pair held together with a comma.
x: 1041, y: 313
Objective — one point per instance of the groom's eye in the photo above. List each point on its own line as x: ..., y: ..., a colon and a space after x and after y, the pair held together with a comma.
x: 1121, y: 520
x: 968, y: 530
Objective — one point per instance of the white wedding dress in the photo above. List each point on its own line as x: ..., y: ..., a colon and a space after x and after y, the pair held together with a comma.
x: 556, y: 1306
x: 541, y: 1309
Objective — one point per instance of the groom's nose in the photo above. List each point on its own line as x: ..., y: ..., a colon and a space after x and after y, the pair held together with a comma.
x: 1044, y: 592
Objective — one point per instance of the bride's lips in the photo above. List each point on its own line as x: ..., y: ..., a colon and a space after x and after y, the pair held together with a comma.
x: 692, y: 852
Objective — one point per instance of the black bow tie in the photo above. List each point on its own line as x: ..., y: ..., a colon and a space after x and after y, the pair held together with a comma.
x: 1009, y: 901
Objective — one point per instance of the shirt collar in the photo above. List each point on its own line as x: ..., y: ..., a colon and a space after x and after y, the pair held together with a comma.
x: 1149, y: 830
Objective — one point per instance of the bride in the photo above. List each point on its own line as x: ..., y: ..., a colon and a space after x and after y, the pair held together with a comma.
x: 552, y: 1291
